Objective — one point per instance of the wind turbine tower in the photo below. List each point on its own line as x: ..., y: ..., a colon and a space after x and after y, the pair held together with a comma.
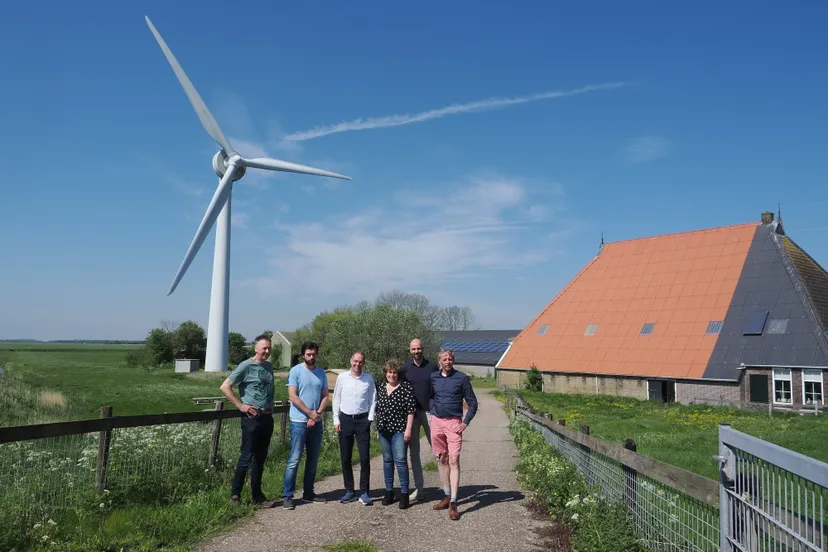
x: 230, y: 167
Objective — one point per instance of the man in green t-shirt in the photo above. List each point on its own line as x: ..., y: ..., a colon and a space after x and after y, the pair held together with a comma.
x: 254, y: 378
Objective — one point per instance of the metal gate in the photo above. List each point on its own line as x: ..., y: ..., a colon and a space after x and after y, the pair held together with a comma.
x: 771, y: 498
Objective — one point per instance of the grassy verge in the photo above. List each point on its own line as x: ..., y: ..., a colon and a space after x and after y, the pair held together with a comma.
x: 682, y: 435
x: 352, y: 546
x: 591, y: 524
x: 483, y: 382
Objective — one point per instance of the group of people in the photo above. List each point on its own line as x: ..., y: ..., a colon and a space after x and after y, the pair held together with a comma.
x: 418, y: 394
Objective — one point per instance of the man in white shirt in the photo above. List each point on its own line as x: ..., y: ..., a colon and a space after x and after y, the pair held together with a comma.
x: 354, y: 402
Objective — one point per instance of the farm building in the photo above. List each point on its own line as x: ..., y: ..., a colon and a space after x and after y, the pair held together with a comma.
x: 729, y: 315
x: 476, y: 352
x: 283, y: 339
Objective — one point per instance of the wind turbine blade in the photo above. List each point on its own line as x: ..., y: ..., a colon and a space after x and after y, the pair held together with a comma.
x: 277, y: 165
x: 210, y: 216
x: 207, y: 120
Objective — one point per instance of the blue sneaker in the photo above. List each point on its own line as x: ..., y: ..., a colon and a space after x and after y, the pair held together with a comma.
x: 347, y: 497
x: 366, y: 499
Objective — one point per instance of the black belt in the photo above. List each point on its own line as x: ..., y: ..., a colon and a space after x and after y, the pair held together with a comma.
x: 355, y: 416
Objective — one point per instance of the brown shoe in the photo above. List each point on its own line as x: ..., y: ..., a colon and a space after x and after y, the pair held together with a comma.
x: 453, y: 513
x: 443, y: 504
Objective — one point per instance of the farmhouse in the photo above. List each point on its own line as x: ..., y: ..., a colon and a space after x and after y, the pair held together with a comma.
x: 476, y: 352
x: 728, y: 315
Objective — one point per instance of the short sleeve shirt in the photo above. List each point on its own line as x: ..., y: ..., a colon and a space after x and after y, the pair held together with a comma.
x: 309, y: 385
x: 393, y: 409
x: 255, y: 381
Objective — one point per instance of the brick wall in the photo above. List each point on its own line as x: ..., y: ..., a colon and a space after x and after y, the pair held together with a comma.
x: 708, y: 392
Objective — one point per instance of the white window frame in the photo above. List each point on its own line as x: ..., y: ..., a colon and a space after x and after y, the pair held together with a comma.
x: 813, y: 376
x: 782, y: 374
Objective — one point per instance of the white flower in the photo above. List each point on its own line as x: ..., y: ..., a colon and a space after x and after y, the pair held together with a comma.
x: 575, y: 515
x: 51, y: 522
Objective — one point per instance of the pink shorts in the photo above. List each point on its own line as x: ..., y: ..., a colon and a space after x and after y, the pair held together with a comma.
x: 443, y: 438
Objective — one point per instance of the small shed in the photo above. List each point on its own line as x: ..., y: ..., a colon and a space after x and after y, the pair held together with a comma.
x: 186, y: 365
x: 332, y: 374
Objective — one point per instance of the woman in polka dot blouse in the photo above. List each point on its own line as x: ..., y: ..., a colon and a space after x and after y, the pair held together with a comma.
x: 395, y: 416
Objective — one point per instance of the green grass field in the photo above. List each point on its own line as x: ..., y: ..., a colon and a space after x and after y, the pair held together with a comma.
x: 682, y: 435
x: 69, y: 381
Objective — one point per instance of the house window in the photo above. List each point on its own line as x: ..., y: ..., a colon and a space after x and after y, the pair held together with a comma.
x: 591, y: 329
x: 647, y: 329
x: 542, y: 329
x: 714, y: 327
x: 812, y: 387
x: 782, y: 386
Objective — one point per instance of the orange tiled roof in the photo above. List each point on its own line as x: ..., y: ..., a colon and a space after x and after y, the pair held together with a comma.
x: 680, y: 282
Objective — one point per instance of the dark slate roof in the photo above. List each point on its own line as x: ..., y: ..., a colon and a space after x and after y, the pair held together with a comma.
x: 812, y: 276
x: 779, y: 285
x: 478, y: 347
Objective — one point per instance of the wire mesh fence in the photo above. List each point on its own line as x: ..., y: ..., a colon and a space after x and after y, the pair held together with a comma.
x: 158, y: 463
x: 666, y: 519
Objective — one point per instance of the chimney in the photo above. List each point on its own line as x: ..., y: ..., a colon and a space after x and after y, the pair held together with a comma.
x: 767, y: 217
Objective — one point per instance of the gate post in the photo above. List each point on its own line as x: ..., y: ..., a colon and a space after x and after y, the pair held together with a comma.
x: 725, y: 459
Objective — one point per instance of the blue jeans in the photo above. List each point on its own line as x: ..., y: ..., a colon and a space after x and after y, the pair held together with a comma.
x: 394, y: 454
x: 301, y: 436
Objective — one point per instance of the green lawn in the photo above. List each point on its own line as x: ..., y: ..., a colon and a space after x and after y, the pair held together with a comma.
x: 682, y: 435
x: 86, y: 377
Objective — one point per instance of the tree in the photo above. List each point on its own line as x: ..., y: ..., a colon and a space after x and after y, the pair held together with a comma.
x: 534, y: 379
x: 237, y: 350
x: 159, y: 346
x: 455, y: 318
x: 190, y: 341
x: 382, y: 333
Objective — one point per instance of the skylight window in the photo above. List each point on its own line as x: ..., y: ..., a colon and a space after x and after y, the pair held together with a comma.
x: 542, y: 329
x: 777, y: 325
x: 647, y: 329
x: 591, y: 329
x: 714, y: 327
x: 756, y: 322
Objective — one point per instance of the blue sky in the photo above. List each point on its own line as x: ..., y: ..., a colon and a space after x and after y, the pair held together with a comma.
x: 721, y: 114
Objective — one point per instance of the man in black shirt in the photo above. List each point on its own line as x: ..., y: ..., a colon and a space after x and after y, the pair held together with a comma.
x: 417, y: 371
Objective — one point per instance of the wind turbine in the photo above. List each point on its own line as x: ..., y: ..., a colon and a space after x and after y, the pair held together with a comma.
x: 230, y: 167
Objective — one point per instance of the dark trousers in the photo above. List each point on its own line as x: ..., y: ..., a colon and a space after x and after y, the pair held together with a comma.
x: 355, y: 428
x: 255, y: 440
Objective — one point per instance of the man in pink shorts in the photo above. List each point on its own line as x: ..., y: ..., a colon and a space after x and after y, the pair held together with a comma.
x: 449, y: 389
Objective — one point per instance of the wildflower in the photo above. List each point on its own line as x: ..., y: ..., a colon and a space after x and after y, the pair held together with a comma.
x: 51, y: 522
x: 575, y: 516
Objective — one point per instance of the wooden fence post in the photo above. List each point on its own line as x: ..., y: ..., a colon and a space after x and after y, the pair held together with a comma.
x: 630, y: 475
x: 214, y: 443
x: 587, y: 452
x: 104, y: 439
x: 283, y: 417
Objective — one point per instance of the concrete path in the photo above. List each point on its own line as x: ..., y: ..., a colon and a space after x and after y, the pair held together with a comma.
x: 493, y: 517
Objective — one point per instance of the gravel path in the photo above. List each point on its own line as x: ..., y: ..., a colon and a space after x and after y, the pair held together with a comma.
x: 493, y: 517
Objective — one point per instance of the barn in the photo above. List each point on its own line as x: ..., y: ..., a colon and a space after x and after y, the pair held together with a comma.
x: 729, y: 315
x: 476, y: 352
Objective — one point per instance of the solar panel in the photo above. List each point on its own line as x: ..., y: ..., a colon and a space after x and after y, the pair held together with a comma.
x: 756, y: 322
x: 647, y: 329
x: 475, y: 346
x: 591, y: 329
x: 542, y: 329
x: 714, y: 327
x: 777, y: 325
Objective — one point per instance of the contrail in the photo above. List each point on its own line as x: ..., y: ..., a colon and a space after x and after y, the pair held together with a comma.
x: 456, y: 109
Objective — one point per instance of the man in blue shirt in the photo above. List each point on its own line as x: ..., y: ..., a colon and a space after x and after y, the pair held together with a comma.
x: 308, y: 394
x: 449, y: 389
x: 254, y: 377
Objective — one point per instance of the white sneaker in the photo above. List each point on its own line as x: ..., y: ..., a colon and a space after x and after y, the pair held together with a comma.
x: 412, y: 495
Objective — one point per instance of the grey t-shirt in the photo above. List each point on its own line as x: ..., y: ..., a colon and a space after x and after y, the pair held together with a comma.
x: 255, y: 383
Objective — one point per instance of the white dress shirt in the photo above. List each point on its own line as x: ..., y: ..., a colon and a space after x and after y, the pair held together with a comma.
x: 354, y: 395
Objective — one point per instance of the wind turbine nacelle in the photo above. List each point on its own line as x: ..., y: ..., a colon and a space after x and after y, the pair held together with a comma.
x: 220, y: 165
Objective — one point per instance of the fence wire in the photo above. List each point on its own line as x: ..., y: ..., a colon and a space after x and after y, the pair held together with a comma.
x: 666, y: 519
x: 150, y: 464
